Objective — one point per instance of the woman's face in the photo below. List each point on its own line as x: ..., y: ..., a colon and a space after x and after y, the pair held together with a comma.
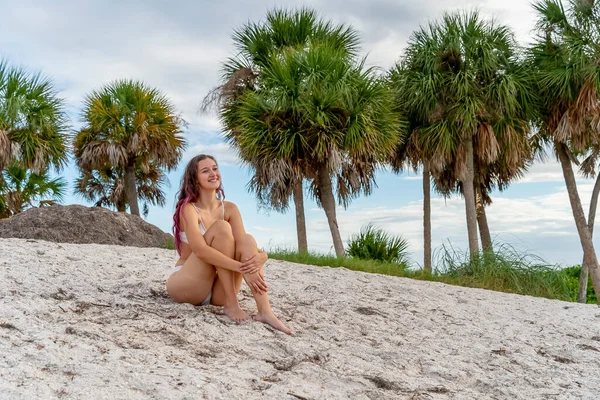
x: 209, y: 176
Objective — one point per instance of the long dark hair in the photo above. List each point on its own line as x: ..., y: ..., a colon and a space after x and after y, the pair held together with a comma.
x: 190, y: 193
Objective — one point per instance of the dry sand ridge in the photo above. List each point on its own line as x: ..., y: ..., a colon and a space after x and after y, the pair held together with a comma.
x: 80, y: 321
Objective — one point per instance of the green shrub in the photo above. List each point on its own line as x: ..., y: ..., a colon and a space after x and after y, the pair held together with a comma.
x: 572, y: 278
x: 376, y: 244
x: 169, y: 243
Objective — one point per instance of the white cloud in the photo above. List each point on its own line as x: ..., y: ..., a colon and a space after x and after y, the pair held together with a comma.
x: 549, y: 171
x: 223, y: 153
x: 416, y: 177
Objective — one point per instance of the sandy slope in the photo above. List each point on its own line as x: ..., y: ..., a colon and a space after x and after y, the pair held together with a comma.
x: 92, y: 321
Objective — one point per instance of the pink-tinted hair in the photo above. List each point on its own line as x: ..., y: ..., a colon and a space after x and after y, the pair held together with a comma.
x: 190, y: 193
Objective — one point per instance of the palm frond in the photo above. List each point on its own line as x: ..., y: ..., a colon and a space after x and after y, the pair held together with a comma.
x: 33, y: 120
x: 22, y: 188
x: 460, y: 77
x: 297, y: 96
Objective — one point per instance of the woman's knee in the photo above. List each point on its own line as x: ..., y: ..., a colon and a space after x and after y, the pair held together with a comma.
x: 222, y: 229
x: 248, y: 241
x: 246, y: 247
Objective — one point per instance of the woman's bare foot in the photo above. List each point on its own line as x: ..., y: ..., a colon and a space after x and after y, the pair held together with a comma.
x: 236, y: 314
x: 271, y: 319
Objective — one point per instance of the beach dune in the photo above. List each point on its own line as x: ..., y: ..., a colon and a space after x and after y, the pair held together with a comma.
x: 81, y: 321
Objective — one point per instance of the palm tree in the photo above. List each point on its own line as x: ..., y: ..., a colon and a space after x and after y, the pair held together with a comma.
x: 33, y: 122
x: 106, y: 187
x: 470, y: 99
x: 565, y: 57
x: 129, y: 125
x: 21, y: 188
x: 275, y: 181
x: 305, y: 100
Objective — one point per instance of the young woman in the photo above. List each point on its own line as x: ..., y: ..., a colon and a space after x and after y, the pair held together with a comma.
x: 215, y: 250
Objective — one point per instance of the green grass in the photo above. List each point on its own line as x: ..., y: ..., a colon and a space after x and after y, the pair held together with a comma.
x: 355, y: 264
x: 506, y: 270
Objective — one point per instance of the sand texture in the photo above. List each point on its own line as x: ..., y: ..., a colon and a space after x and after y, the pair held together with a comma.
x: 88, y: 321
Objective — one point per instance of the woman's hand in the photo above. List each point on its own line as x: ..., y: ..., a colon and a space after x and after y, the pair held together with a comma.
x: 254, y: 263
x: 256, y: 282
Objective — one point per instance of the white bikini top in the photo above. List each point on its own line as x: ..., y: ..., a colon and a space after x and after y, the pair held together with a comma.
x: 183, y: 236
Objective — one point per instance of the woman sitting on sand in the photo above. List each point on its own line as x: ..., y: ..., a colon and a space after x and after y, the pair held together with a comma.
x: 215, y: 250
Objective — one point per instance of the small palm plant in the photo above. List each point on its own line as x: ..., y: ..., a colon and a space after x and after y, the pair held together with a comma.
x: 21, y: 188
x: 374, y: 243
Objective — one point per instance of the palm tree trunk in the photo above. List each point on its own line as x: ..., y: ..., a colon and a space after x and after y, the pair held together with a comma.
x: 131, y: 190
x: 300, y: 218
x: 14, y: 201
x: 328, y: 203
x: 426, y: 219
x: 484, y: 229
x: 589, y: 253
x: 121, y: 206
x: 469, y: 194
x: 583, y: 277
x: 5, y: 149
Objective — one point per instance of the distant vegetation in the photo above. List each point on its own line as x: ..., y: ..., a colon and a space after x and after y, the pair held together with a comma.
x: 503, y: 271
x: 571, y: 275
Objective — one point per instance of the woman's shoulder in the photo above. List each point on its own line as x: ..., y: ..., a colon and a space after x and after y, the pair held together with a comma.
x: 187, y: 206
x: 230, y: 207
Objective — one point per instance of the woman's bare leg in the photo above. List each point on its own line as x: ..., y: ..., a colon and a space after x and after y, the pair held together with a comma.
x: 228, y: 283
x: 193, y: 282
x: 246, y: 249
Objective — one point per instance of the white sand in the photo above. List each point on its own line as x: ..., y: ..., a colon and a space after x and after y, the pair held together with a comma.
x: 91, y: 322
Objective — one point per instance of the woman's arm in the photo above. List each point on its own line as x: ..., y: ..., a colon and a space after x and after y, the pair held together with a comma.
x: 199, y: 246
x: 235, y: 220
x: 239, y: 234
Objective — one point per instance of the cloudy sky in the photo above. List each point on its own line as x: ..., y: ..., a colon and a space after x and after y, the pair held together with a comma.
x: 178, y: 46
